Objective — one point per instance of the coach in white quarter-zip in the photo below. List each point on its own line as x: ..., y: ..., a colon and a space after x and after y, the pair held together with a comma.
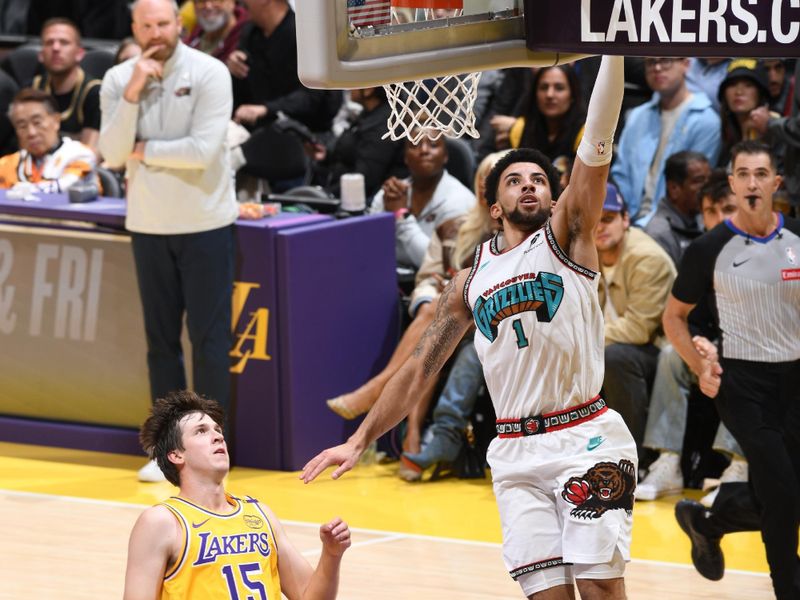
x: 164, y: 117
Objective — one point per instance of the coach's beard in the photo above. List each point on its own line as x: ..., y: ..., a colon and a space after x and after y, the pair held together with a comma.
x: 528, y: 221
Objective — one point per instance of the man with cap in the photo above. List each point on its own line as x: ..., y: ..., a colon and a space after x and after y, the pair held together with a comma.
x: 636, y: 277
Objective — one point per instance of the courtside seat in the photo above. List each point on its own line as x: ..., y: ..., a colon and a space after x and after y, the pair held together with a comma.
x: 96, y: 62
x: 461, y: 161
x: 23, y: 64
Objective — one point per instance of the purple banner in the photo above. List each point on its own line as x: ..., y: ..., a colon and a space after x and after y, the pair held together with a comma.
x: 757, y: 28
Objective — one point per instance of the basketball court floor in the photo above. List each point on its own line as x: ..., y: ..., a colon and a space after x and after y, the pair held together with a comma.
x: 65, y: 517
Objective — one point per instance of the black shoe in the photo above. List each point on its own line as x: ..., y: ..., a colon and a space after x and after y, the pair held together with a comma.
x: 706, y: 552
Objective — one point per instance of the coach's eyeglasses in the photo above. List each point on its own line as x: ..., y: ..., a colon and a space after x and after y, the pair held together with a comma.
x: 664, y: 63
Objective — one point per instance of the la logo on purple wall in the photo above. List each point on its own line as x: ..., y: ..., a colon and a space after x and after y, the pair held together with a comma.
x: 250, y: 330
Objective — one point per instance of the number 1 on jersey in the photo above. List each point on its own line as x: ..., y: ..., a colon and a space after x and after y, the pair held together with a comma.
x: 522, y: 341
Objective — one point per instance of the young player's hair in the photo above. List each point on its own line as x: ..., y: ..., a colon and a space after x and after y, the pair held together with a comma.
x: 161, y: 432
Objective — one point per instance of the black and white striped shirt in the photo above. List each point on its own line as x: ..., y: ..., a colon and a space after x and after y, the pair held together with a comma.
x: 756, y: 284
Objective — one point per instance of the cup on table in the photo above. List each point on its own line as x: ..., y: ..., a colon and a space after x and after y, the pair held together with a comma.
x: 352, y: 192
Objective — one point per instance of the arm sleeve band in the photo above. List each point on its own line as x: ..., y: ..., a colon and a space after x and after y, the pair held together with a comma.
x: 603, y: 113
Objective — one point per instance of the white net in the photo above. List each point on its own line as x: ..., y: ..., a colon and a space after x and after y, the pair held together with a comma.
x: 433, y: 107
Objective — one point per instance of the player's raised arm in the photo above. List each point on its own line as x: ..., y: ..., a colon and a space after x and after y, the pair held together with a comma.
x: 580, y: 206
x: 403, y: 390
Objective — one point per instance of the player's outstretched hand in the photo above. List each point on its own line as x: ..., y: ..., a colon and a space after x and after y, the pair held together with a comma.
x: 335, y: 537
x: 345, y: 456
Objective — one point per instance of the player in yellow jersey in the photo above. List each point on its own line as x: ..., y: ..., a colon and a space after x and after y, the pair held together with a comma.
x: 205, y: 543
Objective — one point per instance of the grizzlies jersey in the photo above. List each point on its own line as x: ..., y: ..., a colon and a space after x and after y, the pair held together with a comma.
x: 223, y: 556
x: 539, y: 326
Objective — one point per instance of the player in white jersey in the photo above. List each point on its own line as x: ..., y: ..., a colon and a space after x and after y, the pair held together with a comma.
x: 563, y: 464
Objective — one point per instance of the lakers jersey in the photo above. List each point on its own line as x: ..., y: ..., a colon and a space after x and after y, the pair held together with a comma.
x: 223, y: 556
x: 539, y: 326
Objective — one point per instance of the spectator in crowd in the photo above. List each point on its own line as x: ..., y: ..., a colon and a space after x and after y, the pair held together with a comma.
x: 46, y: 161
x: 751, y: 267
x: 705, y: 75
x: 551, y: 116
x: 429, y: 200
x: 184, y: 434
x: 636, y: 276
x: 77, y: 96
x: 128, y: 48
x: 669, y: 402
x: 165, y: 115
x: 677, y: 219
x: 779, y: 85
x: 717, y: 201
x: 360, y: 148
x: 674, y: 119
x: 219, y: 24
x: 266, y: 84
x: 743, y: 93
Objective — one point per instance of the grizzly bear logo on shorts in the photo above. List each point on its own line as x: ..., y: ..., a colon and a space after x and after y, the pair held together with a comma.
x: 605, y: 486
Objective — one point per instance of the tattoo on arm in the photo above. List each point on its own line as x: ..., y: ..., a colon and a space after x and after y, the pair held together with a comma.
x: 440, y: 335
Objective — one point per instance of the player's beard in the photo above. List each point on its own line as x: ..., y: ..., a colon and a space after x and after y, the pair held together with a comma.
x: 528, y: 221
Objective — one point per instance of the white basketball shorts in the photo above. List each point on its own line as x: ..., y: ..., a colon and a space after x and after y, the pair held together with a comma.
x: 566, y: 498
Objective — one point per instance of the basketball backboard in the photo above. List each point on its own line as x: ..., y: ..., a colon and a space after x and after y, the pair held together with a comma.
x: 364, y: 43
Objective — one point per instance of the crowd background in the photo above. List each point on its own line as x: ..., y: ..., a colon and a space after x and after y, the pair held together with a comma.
x: 681, y: 117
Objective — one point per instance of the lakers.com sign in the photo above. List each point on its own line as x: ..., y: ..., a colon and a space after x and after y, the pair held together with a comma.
x: 666, y: 27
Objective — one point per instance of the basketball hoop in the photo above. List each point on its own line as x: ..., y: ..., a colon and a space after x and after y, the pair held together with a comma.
x: 432, y: 107
x: 436, y: 106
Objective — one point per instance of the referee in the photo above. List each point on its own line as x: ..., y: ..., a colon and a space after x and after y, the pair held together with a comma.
x: 751, y: 263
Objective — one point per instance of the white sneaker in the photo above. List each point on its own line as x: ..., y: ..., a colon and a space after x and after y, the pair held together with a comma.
x: 664, y: 478
x: 736, y: 471
x: 150, y: 473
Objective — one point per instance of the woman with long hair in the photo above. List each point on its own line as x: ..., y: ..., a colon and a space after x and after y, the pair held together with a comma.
x: 743, y: 92
x: 549, y: 117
